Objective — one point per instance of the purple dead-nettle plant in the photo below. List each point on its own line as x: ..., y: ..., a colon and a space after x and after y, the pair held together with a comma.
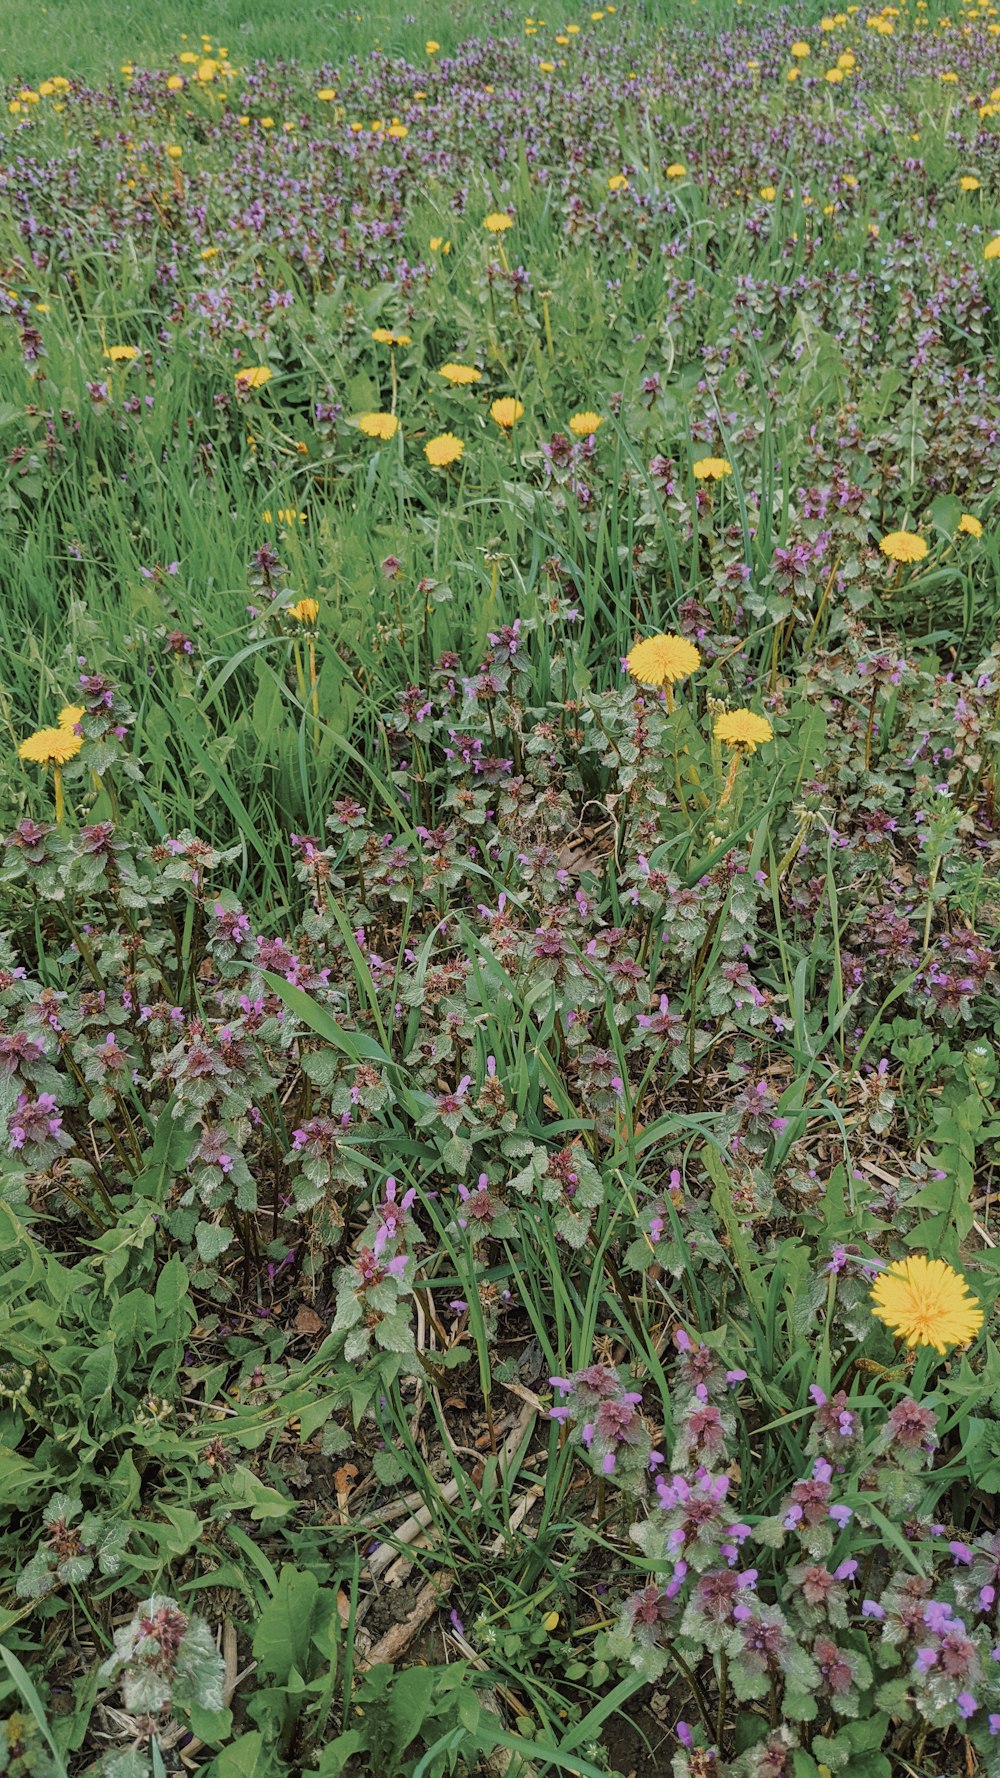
x: 74, y: 1544
x: 569, y: 1183
x: 165, y: 1660
x: 604, y: 1419
x: 374, y: 1289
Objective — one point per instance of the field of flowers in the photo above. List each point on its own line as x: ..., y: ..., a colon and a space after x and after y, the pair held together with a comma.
x: 499, y: 834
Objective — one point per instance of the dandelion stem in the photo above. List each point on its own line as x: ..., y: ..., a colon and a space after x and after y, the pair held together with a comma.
x: 57, y: 786
x: 870, y: 727
x: 729, y: 785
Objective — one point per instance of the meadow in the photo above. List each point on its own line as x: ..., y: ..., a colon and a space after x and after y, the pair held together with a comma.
x: 499, y: 581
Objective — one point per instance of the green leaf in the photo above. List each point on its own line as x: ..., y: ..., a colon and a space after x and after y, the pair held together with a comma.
x: 211, y: 1240
x: 167, y: 1158
x: 171, y: 1286
x: 244, y: 1758
x: 246, y: 1490
x: 299, y: 1609
x: 211, y: 1726
x: 26, y: 1688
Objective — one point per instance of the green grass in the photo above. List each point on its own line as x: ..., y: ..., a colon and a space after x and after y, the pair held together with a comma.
x: 714, y: 1031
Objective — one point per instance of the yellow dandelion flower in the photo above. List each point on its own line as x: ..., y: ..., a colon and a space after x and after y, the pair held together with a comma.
x: 253, y: 377
x: 305, y: 612
x: 662, y: 660
x: 618, y: 182
x: 506, y: 411
x: 175, y: 83
x: 326, y: 93
x: 583, y: 425
x: 711, y: 469
x: 926, y: 1303
x: 70, y: 715
x: 800, y: 51
x: 397, y: 130
x: 903, y: 546
x: 992, y: 249
x: 431, y: 47
x: 676, y: 170
x: 768, y: 193
x: 386, y: 337
x: 968, y: 526
x: 968, y: 183
x: 444, y: 449
x: 378, y: 425
x: 460, y: 374
x: 742, y: 728
x: 51, y: 746
x: 546, y: 67
x: 496, y: 222
x: 121, y: 354
x: 834, y: 76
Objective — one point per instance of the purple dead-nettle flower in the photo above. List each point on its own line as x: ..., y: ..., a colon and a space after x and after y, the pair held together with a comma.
x: 483, y: 1211
x: 977, y: 1582
x: 702, y: 1431
x: 843, y: 1674
x: 693, y: 1521
x: 821, y: 1595
x: 836, y: 1428
x: 230, y: 929
x: 34, y: 1130
x: 720, y: 1600
x: 909, y: 1435
x: 606, y: 1423
x: 662, y: 1023
x: 393, y: 1218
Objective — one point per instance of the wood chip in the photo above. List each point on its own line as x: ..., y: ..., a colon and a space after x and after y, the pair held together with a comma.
x: 393, y: 1645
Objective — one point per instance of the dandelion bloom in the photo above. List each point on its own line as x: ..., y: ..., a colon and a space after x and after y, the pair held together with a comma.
x: 121, y: 354
x: 431, y: 47
x: 497, y: 222
x: 969, y: 526
x: 460, y: 374
x: 711, y: 469
x: 742, y: 728
x: 618, y: 182
x: 926, y: 1303
x: 662, y: 660
x: 903, y: 546
x: 378, y: 425
x: 968, y: 183
x: 70, y: 715
x: 51, y: 746
x: 305, y: 612
x: 443, y: 450
x: 326, y: 93
x: 992, y: 248
x: 801, y: 50
x: 768, y: 193
x: 385, y: 337
x: 676, y: 170
x: 584, y: 424
x: 254, y: 377
x: 506, y: 411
